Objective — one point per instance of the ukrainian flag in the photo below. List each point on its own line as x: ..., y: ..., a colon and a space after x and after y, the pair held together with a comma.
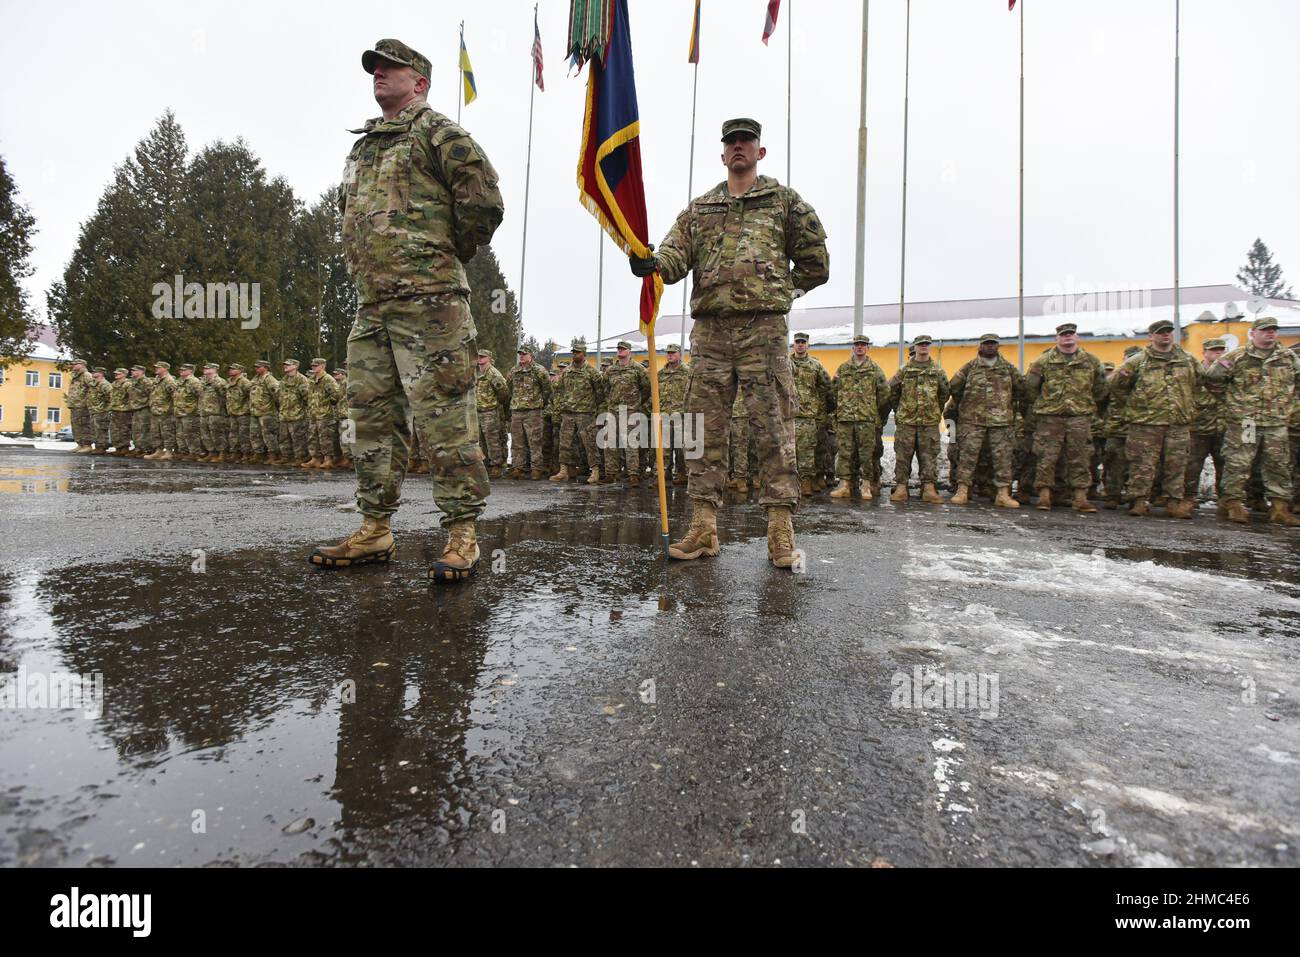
x: 467, y: 73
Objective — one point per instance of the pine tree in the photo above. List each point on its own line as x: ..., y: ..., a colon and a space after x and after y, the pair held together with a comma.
x: 493, y: 305
x: 1260, y: 277
x: 17, y: 226
x: 27, y: 425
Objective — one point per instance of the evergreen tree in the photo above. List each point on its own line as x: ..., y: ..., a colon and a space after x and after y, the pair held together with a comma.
x: 17, y: 226
x: 321, y: 293
x: 494, y: 307
x: 27, y: 425
x: 1260, y: 277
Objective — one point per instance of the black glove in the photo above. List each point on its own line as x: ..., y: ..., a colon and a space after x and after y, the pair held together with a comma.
x: 643, y: 267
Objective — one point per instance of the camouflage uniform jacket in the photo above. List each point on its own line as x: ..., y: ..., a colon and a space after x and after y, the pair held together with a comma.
x: 323, y: 393
x: 490, y: 389
x: 581, y: 389
x: 185, y: 400
x: 1207, y: 419
x: 738, y: 410
x: 627, y: 385
x: 812, y: 384
x: 1260, y: 385
x: 1057, y: 384
x: 100, y: 396
x: 530, y: 387
x: 78, y: 390
x: 1157, y: 388
x: 861, y: 392
x: 238, y: 392
x: 917, y: 393
x: 739, y: 250
x: 672, y: 387
x: 119, y: 399
x: 987, y: 394
x: 295, y: 392
x: 138, y: 393
x: 418, y: 198
x: 264, y: 395
x: 213, y: 398
x: 341, y: 403
x: 162, y: 395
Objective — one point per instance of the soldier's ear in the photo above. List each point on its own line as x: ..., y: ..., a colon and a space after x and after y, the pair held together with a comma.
x: 762, y: 152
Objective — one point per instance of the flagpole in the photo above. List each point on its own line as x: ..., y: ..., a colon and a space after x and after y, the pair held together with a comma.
x: 690, y: 187
x: 600, y: 287
x: 1020, y: 293
x: 789, y: 61
x: 860, y: 266
x: 460, y: 73
x: 657, y: 419
x: 1178, y: 326
x: 902, y: 280
x: 528, y: 172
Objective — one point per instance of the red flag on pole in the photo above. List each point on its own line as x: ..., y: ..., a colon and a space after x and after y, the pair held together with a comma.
x: 769, y: 27
x: 537, y: 54
x: 1011, y: 5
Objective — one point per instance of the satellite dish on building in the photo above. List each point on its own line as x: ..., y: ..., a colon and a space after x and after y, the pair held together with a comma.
x: 1206, y: 316
x: 1257, y: 305
x: 1230, y: 311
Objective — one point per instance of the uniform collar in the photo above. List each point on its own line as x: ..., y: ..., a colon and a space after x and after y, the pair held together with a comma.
x: 760, y: 187
x: 402, y: 121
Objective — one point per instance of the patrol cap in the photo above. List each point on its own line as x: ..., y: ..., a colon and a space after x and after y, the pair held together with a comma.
x: 209, y: 365
x: 801, y: 337
x: 236, y: 366
x: 186, y: 366
x: 911, y: 350
x: 339, y: 372
x: 119, y: 369
x: 141, y: 368
x: 741, y: 126
x: 673, y: 347
x: 395, y: 51
x: 990, y: 337
x: 579, y: 345
x: 1264, y: 322
x: 290, y: 362
x: 160, y: 364
x: 922, y: 339
x: 1066, y: 328
x: 624, y: 345
x: 1108, y: 366
x: 1214, y: 344
x: 861, y: 341
x: 99, y: 369
x: 1132, y: 351
x: 524, y: 349
x: 486, y: 354
x: 562, y: 364
x: 319, y: 361
x: 1161, y: 325
x: 262, y: 364
x: 78, y: 362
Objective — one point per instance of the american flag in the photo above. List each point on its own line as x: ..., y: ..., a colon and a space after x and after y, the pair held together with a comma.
x: 537, y: 54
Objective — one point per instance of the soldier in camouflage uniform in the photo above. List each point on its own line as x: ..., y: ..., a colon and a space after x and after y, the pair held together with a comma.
x: 918, y: 392
x: 673, y: 379
x: 119, y: 405
x: 212, y: 414
x: 264, y: 413
x: 627, y: 393
x: 739, y: 240
x: 1207, y: 427
x: 76, y: 399
x: 1294, y: 429
x: 419, y: 198
x: 492, y: 397
x: 162, y: 421
x: 344, y: 430
x: 1096, y: 484
x: 139, y: 386
x: 578, y: 397
x: 185, y: 403
x: 1114, y: 463
x: 741, y: 451
x: 1258, y: 383
x: 99, y: 400
x: 812, y: 384
x: 294, y: 396
x: 322, y: 434
x: 1065, y: 385
x: 1158, y: 388
x: 239, y: 439
x: 861, y: 397
x: 987, y: 391
x: 530, y: 388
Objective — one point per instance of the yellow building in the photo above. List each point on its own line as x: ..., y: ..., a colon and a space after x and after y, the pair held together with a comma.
x: 36, y: 385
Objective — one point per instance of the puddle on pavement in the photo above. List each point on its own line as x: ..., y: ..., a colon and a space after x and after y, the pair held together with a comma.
x: 1252, y: 565
x: 33, y: 481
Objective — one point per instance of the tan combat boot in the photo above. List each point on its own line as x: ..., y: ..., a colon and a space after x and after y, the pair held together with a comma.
x: 864, y: 490
x: 930, y: 495
x: 1044, y: 499
x: 1004, y: 499
x: 155, y: 454
x: 459, y: 560
x: 875, y: 491
x: 494, y: 472
x: 220, y: 457
x: 1233, y: 511
x: 634, y: 480
x: 819, y: 484
x: 562, y: 475
x: 780, y: 536
x: 679, y: 478
x: 166, y: 456
x: 372, y: 542
x: 326, y: 463
x: 805, y: 487
x: 961, y: 496
x: 1081, y: 503
x: 842, y: 490
x: 900, y: 493
x: 1182, y: 508
x: 311, y: 463
x: 1111, y: 502
x: 702, y: 537
x: 1279, y: 513
x: 594, y: 477
x: 1140, y: 508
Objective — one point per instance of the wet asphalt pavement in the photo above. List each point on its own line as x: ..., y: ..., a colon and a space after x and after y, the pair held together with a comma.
x: 581, y: 703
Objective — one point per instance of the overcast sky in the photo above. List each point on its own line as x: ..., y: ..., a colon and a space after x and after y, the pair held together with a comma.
x: 88, y: 80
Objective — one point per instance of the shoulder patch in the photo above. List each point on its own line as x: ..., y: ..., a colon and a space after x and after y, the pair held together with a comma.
x: 459, y: 151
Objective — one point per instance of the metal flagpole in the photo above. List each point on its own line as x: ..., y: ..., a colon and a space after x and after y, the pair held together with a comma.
x: 789, y: 60
x: 860, y: 267
x: 528, y: 172
x: 460, y: 74
x: 1020, y: 294
x: 600, y: 287
x: 1178, y: 326
x: 690, y: 189
x: 902, y: 281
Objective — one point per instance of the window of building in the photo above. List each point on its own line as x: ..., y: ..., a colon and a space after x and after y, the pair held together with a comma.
x: 32, y: 412
x: 2, y: 376
x: 33, y: 379
x: 53, y: 416
x: 2, y: 413
x: 56, y: 380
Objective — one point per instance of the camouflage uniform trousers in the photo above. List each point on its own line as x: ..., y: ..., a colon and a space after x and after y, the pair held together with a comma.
x: 827, y: 447
x: 551, y: 441
x: 190, y: 434
x: 1202, y: 445
x: 674, y: 439
x: 293, y: 439
x: 121, y: 430
x: 416, y: 354
x: 1074, y: 434
x: 1157, y: 458
x: 746, y: 351
x: 264, y: 434
x: 1272, y: 447
x: 971, y: 442
x: 577, y: 433
x: 805, y: 446
x: 103, y: 429
x: 1114, y: 466
x: 741, y: 448
x: 140, y: 430
x: 856, y: 443
x: 215, y: 430
x: 526, y: 450
x: 83, y: 426
x: 322, y: 438
x: 623, y: 453
x: 240, y: 439
x: 1094, y: 465
x: 1295, y: 468
x: 921, y: 441
x: 489, y: 438
x: 162, y: 432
